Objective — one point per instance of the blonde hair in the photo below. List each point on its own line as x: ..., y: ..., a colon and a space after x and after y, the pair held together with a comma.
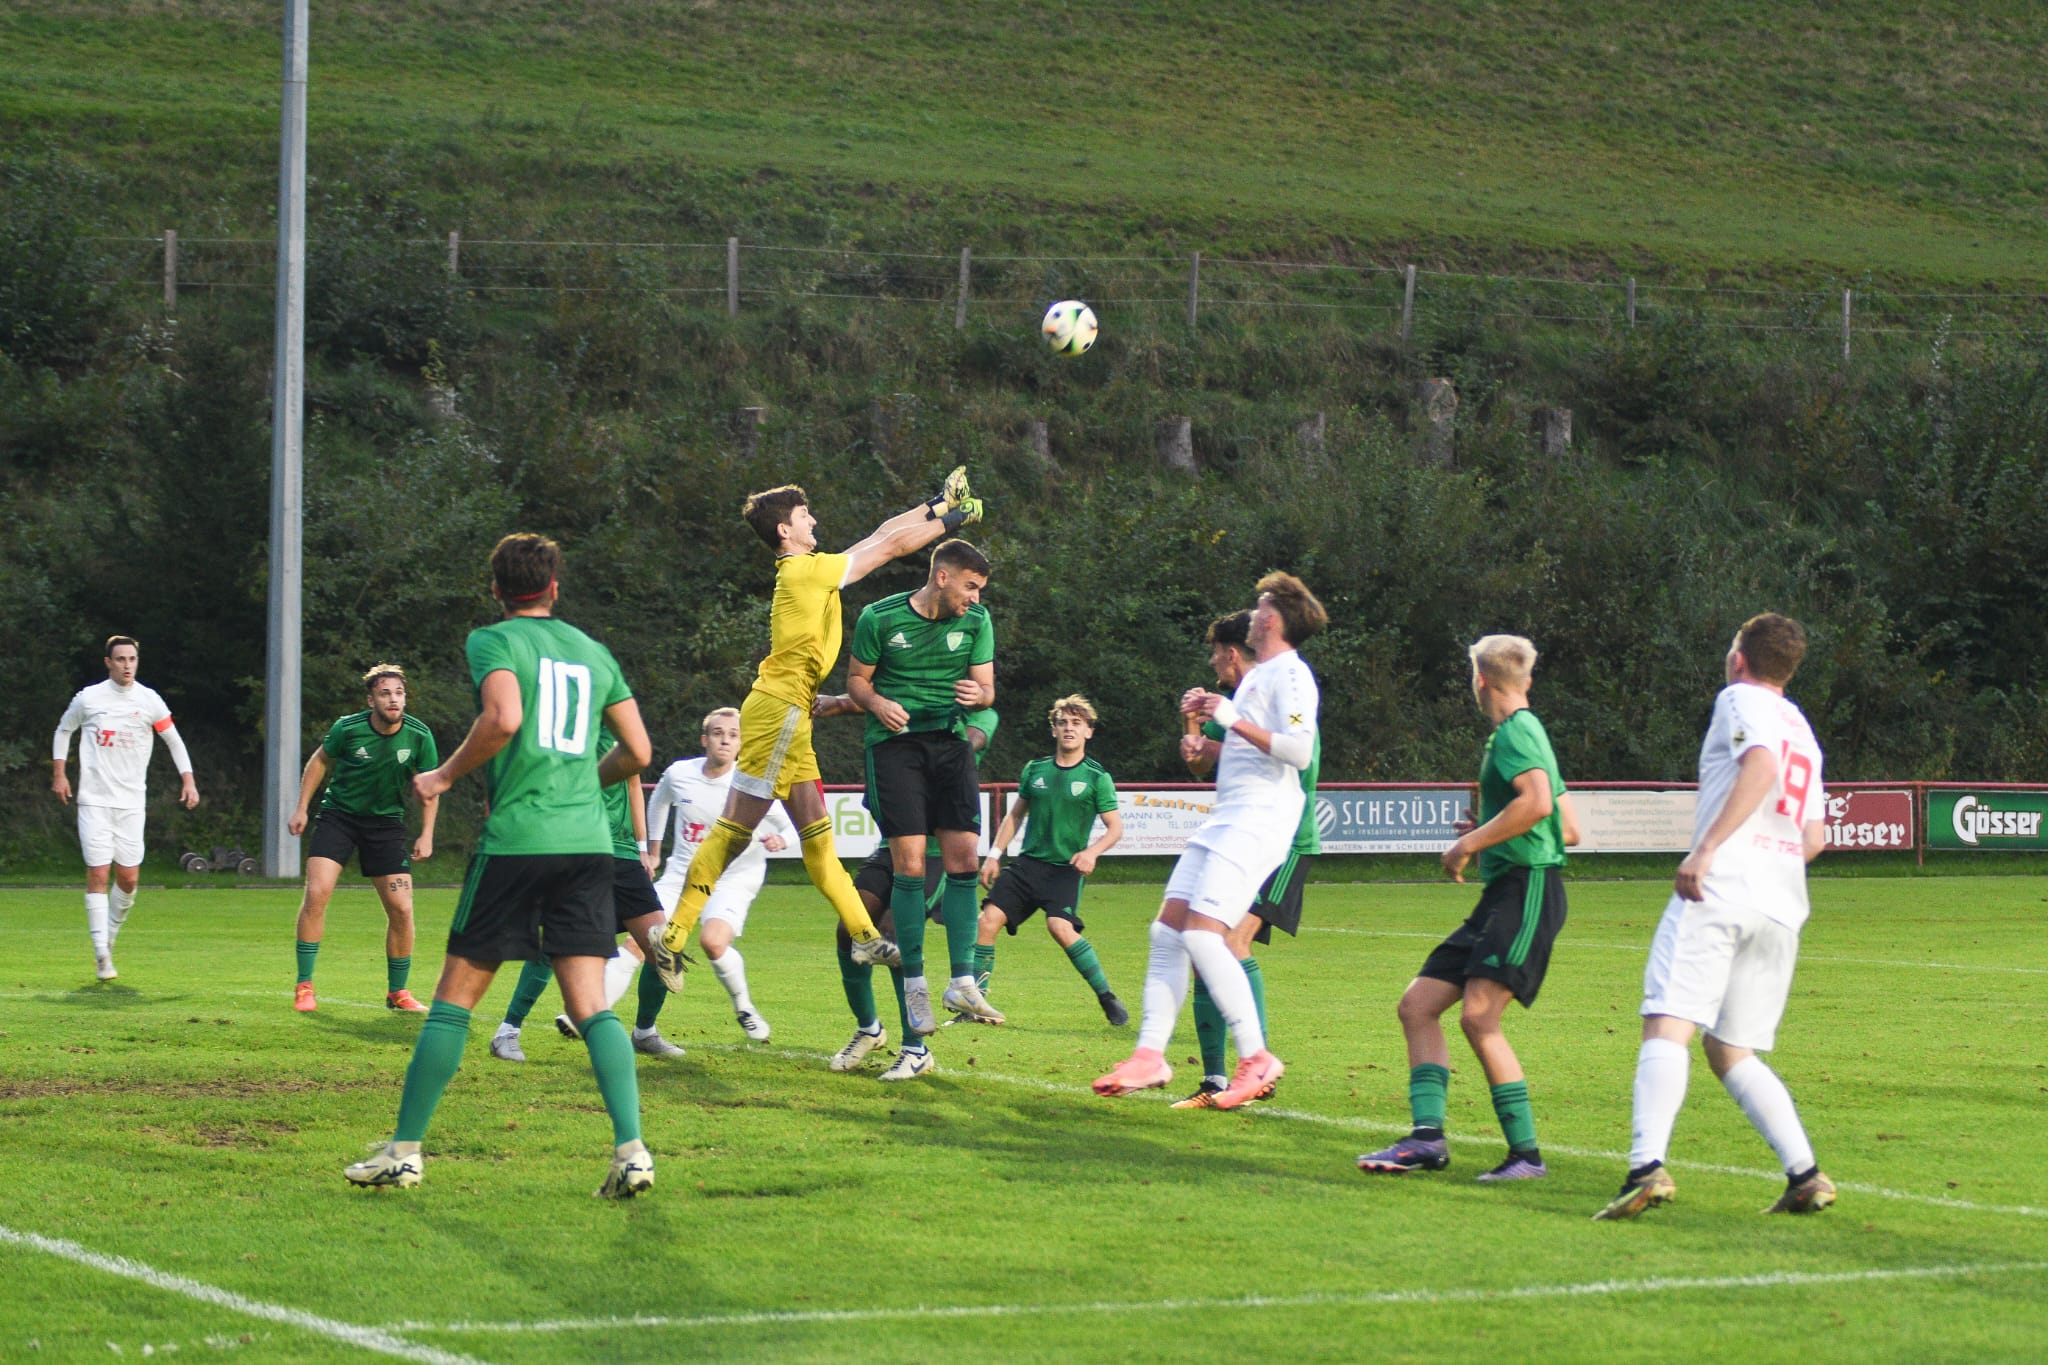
x: 704, y: 725
x: 1504, y: 660
x: 379, y: 672
x: 1075, y: 704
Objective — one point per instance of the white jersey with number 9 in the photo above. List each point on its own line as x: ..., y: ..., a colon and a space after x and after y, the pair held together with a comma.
x: 1762, y: 867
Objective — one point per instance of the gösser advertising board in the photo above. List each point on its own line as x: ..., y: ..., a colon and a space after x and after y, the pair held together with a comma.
x: 1986, y: 819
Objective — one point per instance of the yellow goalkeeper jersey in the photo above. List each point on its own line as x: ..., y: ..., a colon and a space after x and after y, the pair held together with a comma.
x: 804, y: 627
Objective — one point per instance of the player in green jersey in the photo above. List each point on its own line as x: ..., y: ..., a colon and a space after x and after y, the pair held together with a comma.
x: 1279, y: 901
x: 875, y: 880
x: 638, y: 913
x: 1501, y: 951
x: 919, y: 662
x: 541, y: 880
x: 1059, y: 799
x: 368, y: 761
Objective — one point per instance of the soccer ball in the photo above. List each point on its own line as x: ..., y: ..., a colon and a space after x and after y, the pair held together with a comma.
x: 1069, y: 327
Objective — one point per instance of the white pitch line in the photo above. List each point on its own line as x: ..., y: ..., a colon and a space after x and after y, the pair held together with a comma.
x: 378, y: 1339
x: 1645, y: 948
x: 1377, y: 1126
x: 1784, y: 1279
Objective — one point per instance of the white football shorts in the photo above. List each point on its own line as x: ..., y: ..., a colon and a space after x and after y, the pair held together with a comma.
x: 733, y: 897
x: 1217, y: 886
x: 110, y: 834
x: 1727, y: 969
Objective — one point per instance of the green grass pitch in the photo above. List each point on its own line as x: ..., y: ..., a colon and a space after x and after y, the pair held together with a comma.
x: 173, y: 1143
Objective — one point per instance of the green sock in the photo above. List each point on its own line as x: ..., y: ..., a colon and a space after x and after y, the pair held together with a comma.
x: 858, y: 981
x: 984, y: 965
x: 618, y: 1080
x: 1082, y: 954
x: 1210, y: 1030
x: 1258, y: 980
x: 306, y: 953
x: 653, y: 995
x: 1517, y: 1119
x: 1428, y: 1090
x: 434, y: 1059
x: 396, y: 970
x: 902, y: 1002
x: 533, y: 979
x: 906, y: 903
x: 959, y: 910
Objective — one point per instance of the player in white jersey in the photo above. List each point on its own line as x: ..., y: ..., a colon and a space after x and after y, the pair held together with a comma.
x: 1270, y: 733
x: 119, y: 720
x: 1723, y: 955
x: 694, y: 791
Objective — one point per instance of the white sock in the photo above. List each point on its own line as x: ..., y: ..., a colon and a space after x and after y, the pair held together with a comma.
x: 1166, y: 987
x: 731, y: 970
x: 1229, y: 988
x: 119, y: 902
x: 508, y: 1031
x: 639, y: 1033
x: 1769, y: 1105
x: 96, y: 920
x: 618, y: 977
x: 1662, y: 1069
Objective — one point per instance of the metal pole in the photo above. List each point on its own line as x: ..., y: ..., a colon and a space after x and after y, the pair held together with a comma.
x: 732, y: 277
x: 170, y: 269
x: 1408, y: 303
x: 1846, y: 294
x: 1194, y: 284
x: 960, y: 309
x: 287, y: 466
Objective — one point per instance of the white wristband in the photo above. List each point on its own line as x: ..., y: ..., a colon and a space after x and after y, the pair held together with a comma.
x: 1225, y: 713
x: 642, y: 845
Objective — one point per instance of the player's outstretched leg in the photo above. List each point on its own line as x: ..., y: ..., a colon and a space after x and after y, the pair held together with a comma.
x: 435, y: 1058
x: 726, y: 840
x: 1768, y: 1105
x: 828, y: 874
x: 651, y: 997
x: 1166, y: 985
x: 1257, y: 1068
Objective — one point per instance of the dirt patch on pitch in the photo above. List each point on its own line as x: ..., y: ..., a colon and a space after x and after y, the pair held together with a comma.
x: 236, y: 1088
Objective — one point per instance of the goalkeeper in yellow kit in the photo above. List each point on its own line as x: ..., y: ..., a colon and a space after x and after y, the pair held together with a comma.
x: 775, y: 760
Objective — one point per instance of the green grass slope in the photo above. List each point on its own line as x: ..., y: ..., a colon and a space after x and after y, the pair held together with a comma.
x: 1898, y: 137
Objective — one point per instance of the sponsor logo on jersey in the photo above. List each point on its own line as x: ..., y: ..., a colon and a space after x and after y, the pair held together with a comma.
x: 897, y: 641
x: 1076, y: 788
x: 955, y: 638
x: 1038, y: 781
x: 1974, y: 820
x: 361, y: 752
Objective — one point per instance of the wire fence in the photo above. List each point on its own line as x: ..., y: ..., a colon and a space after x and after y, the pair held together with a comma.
x: 736, y: 276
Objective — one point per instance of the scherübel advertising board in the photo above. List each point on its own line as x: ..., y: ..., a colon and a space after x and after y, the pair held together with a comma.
x: 1413, y: 821
x: 1986, y: 820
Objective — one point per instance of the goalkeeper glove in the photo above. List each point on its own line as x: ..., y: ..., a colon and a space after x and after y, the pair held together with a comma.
x: 966, y: 514
x: 955, y: 490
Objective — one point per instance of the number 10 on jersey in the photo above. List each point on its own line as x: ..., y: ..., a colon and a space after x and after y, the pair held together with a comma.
x: 563, y: 719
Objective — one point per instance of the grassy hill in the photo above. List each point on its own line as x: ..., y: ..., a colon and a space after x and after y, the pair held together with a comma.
x: 1902, y: 139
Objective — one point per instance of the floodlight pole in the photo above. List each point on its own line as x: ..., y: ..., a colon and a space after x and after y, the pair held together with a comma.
x: 287, y: 467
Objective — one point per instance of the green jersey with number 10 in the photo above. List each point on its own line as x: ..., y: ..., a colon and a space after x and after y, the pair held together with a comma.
x: 543, y: 784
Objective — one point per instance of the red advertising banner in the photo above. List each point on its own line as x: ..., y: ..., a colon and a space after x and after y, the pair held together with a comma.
x: 1870, y: 819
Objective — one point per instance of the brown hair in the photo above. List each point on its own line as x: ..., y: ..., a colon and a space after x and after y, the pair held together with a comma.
x: 523, y: 564
x: 1774, y: 645
x: 1301, y: 615
x: 113, y: 640
x: 771, y: 508
x: 1073, y: 704
x: 379, y: 672
x: 1233, y: 630
x: 960, y: 556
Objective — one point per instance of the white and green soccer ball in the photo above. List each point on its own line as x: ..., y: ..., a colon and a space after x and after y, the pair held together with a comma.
x: 1069, y: 327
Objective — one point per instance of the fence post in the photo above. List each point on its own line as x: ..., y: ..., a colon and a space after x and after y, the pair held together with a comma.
x: 1408, y: 304
x: 1846, y: 293
x: 960, y: 309
x: 1194, y: 285
x: 732, y: 277
x: 170, y: 268
x: 1631, y: 302
x: 455, y: 253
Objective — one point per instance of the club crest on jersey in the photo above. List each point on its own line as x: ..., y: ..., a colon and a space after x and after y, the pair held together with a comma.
x: 404, y: 754
x: 955, y: 638
x: 898, y: 641
x: 1076, y: 788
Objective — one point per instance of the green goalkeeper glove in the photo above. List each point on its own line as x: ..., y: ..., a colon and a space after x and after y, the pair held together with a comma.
x: 966, y: 514
x: 955, y: 490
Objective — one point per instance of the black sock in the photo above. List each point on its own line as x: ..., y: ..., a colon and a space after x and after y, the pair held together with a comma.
x: 1529, y: 1154
x: 1427, y: 1135
x: 1809, y: 1173
x: 1643, y: 1171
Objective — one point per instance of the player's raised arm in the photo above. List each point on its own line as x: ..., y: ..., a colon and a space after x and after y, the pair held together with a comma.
x: 911, y: 530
